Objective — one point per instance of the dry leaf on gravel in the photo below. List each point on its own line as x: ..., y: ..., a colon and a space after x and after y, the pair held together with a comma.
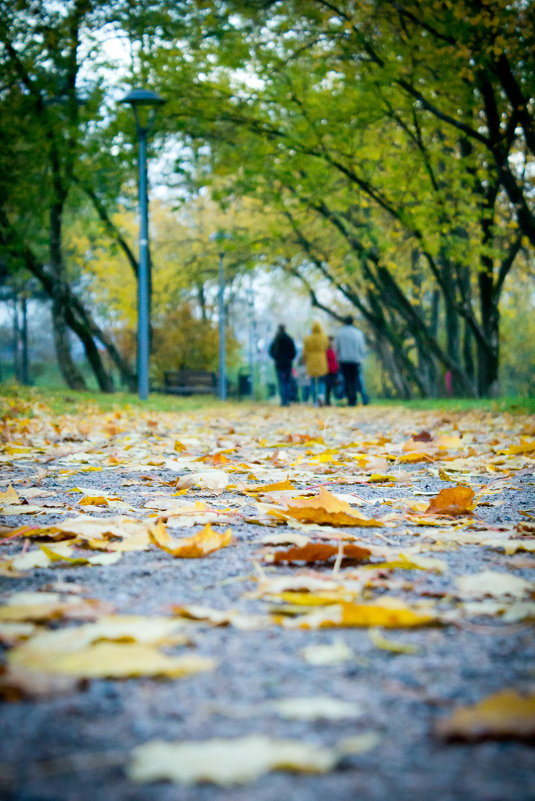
x: 9, y: 497
x: 502, y: 715
x: 201, y: 544
x: 205, y: 479
x: 319, y: 707
x: 334, y: 653
x: 279, y: 486
x: 317, y: 552
x: 227, y: 762
x: 325, y: 508
x: 388, y: 645
x: 39, y: 606
x: 495, y: 584
x: 390, y: 613
x: 19, y: 684
x: 452, y: 501
x: 107, y: 660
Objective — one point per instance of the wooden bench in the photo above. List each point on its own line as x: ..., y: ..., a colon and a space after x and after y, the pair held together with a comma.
x: 189, y: 382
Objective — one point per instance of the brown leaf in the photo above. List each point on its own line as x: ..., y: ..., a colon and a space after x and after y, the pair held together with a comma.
x: 452, y: 501
x: 423, y: 436
x: 318, y: 552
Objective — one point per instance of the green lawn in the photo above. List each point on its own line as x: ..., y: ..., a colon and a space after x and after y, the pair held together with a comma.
x: 23, y: 401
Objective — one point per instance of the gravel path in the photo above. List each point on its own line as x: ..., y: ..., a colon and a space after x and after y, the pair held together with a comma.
x: 77, y: 746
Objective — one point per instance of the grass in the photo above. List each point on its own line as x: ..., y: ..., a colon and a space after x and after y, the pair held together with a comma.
x: 16, y: 400
x: 512, y: 404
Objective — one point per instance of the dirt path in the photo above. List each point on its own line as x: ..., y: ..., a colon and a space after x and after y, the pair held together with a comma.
x: 379, y: 698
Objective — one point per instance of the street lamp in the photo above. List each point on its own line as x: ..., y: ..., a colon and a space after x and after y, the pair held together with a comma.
x: 144, y: 104
x: 219, y: 237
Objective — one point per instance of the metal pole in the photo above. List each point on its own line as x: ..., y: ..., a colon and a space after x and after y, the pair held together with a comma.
x: 222, y: 343
x: 143, y: 277
x: 25, y: 373
x: 251, y: 339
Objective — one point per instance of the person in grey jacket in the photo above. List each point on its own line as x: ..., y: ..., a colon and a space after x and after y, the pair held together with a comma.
x: 350, y: 350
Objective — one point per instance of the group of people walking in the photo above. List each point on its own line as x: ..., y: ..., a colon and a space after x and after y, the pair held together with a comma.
x: 325, y: 360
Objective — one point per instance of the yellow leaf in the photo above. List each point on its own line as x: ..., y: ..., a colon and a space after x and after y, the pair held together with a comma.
x: 277, y: 487
x: 387, y: 645
x: 108, y: 660
x: 410, y: 458
x: 390, y: 613
x: 526, y: 446
x: 93, y: 500
x: 448, y: 441
x: 201, y: 544
x: 326, y: 508
x: 379, y: 478
x: 504, y: 714
x: 9, y: 496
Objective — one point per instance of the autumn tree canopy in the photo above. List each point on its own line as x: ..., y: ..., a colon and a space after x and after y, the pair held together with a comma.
x: 384, y: 148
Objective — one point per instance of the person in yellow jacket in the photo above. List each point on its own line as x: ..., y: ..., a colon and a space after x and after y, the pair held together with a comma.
x: 315, y: 347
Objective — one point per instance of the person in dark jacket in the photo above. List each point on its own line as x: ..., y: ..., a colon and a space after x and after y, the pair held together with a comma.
x: 282, y: 351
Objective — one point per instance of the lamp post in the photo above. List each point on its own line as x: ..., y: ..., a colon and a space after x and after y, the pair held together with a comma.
x: 219, y: 237
x: 144, y: 104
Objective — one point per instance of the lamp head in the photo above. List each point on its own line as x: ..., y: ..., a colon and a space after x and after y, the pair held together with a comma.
x: 144, y: 104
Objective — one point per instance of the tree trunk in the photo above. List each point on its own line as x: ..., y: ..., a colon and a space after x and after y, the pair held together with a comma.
x: 468, y: 353
x: 489, y: 345
x: 71, y: 375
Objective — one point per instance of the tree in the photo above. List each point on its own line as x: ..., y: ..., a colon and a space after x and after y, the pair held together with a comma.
x: 355, y: 117
x: 40, y: 62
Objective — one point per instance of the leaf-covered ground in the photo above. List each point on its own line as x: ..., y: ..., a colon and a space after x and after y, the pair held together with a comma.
x: 255, y: 603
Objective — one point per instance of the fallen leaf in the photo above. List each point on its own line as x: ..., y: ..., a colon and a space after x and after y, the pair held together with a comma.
x: 318, y: 552
x: 495, y: 584
x: 9, y: 497
x: 206, y: 479
x: 390, y: 613
x: 325, y: 508
x: 203, y: 543
x: 226, y: 762
x: 108, y: 660
x: 93, y: 500
x: 452, y: 501
x: 316, y: 708
x: 334, y: 653
x: 38, y: 606
x: 387, y: 645
x: 288, y: 538
x: 502, y: 715
x: 263, y: 488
